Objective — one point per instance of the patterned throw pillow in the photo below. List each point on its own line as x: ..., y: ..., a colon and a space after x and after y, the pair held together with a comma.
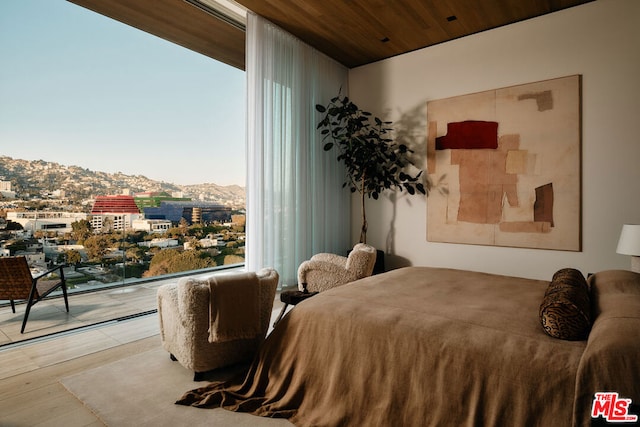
x: 565, y: 311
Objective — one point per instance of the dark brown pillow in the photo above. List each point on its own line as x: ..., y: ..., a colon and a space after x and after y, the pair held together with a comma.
x: 565, y: 311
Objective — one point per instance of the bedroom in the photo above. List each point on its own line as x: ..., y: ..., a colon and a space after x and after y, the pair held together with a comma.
x: 598, y: 40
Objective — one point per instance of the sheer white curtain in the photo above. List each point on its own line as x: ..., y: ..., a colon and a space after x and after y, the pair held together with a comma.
x: 295, y: 202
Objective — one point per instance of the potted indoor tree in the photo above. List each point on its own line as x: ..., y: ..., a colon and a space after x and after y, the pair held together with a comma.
x: 374, y: 162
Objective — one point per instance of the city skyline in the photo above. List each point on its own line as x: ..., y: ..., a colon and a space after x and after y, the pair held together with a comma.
x: 81, y: 89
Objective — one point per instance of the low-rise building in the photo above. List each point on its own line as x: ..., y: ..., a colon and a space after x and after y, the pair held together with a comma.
x: 46, y: 220
x: 151, y: 225
x: 160, y: 243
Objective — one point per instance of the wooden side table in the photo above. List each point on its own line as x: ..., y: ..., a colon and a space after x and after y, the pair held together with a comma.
x: 293, y: 298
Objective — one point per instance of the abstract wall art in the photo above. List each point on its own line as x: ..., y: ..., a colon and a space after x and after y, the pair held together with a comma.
x: 505, y: 164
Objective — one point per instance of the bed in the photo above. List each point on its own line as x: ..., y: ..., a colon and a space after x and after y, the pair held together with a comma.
x: 422, y: 346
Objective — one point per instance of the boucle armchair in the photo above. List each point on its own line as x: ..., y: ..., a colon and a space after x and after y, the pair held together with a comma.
x: 207, y: 324
x: 325, y: 271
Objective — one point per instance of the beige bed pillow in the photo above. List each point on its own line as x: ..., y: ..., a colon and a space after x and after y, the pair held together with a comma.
x: 565, y: 312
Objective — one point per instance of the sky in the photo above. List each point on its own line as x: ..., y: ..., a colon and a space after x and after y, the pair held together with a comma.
x: 78, y: 88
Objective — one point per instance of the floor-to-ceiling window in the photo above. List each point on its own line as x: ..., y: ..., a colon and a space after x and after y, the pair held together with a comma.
x: 121, y: 154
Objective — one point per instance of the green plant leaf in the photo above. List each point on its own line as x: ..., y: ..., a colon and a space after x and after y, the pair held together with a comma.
x: 320, y: 108
x: 373, y: 161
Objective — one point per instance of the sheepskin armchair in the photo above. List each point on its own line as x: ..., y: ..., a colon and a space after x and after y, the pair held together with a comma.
x: 187, y: 317
x: 325, y: 271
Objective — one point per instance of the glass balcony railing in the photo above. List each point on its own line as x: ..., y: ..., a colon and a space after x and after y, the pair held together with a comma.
x: 108, y: 299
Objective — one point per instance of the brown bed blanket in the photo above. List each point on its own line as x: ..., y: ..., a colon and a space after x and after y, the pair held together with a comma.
x: 420, y: 346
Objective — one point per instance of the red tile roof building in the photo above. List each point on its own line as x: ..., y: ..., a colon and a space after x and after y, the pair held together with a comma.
x: 114, y: 204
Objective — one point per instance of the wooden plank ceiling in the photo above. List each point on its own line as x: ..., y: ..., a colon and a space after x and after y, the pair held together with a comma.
x: 357, y: 32
x: 354, y: 32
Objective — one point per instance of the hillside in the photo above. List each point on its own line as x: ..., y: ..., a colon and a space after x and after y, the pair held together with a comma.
x: 42, y: 179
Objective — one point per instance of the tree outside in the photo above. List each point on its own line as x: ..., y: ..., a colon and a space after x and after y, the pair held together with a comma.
x: 174, y: 261
x: 81, y: 230
x: 73, y: 257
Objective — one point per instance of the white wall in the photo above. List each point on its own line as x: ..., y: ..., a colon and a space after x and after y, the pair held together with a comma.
x: 600, y: 41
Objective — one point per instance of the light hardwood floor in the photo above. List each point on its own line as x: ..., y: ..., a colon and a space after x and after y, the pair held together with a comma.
x: 30, y: 391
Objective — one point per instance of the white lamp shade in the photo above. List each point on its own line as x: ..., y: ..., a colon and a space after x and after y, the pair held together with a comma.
x: 629, y: 243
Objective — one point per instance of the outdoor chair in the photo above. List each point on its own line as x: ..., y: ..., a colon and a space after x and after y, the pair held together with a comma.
x: 16, y: 283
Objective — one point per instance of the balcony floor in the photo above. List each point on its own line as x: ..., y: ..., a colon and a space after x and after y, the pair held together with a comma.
x: 85, y: 309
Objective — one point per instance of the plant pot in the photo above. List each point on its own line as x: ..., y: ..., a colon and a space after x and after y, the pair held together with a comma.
x: 378, y: 267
